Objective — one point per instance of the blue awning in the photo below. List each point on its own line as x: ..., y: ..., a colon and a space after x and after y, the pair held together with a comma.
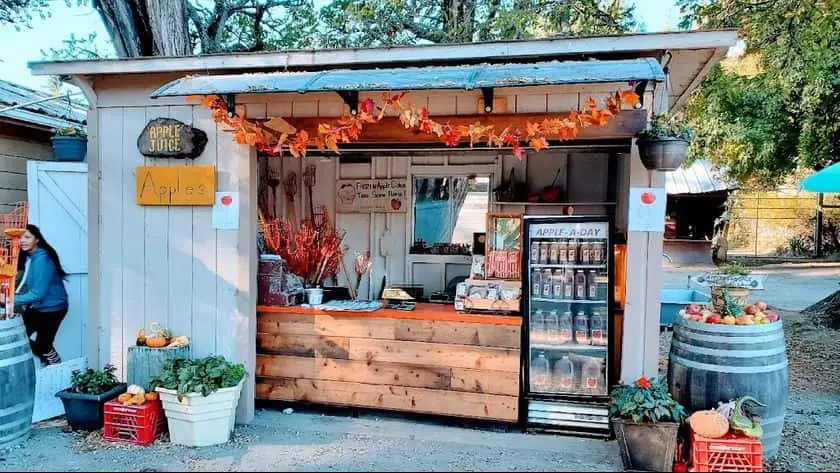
x: 826, y: 180
x: 467, y: 77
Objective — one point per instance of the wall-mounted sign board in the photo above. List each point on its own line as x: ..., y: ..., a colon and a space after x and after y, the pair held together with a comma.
x: 176, y: 185
x: 371, y: 195
x: 170, y: 138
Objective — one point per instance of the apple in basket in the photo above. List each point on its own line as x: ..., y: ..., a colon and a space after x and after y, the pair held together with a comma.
x: 694, y: 309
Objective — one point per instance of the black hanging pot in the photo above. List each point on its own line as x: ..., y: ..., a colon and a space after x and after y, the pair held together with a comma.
x: 662, y: 154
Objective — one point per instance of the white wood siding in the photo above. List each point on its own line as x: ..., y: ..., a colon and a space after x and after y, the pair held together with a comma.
x: 14, y: 153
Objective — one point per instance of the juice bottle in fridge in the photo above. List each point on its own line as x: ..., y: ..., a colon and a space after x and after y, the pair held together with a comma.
x: 540, y: 374
x: 547, y: 285
x: 597, y: 329
x: 580, y: 285
x: 536, y: 282
x: 591, y: 378
x: 581, y: 329
x: 565, y: 326
x: 552, y: 327
x: 568, y: 284
x: 557, y: 284
x: 537, y: 334
x: 564, y: 375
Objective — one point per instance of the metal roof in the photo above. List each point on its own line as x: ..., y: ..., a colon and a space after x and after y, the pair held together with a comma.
x: 699, y: 178
x: 52, y: 114
x: 466, y: 77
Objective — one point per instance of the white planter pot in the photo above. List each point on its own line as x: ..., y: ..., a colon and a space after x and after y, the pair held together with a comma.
x: 198, y: 421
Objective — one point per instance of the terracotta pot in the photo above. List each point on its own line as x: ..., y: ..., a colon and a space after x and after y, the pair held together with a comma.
x: 739, y: 294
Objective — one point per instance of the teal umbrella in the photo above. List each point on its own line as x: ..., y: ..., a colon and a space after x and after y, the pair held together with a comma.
x: 827, y: 180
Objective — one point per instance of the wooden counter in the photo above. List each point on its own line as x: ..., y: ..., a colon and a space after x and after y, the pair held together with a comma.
x: 429, y: 360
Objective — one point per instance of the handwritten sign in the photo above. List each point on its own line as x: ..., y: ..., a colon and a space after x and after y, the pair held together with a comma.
x: 158, y: 185
x: 750, y: 281
x: 371, y: 195
x: 582, y: 230
x: 170, y: 138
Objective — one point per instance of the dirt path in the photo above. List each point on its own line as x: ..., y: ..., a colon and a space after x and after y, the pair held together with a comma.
x: 811, y: 435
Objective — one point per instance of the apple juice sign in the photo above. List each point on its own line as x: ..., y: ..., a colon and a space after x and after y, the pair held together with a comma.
x: 170, y: 138
x: 371, y: 195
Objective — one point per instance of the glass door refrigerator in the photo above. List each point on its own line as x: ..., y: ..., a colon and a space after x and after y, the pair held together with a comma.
x: 567, y: 331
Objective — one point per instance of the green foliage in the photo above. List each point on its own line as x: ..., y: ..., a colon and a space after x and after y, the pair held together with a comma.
x: 666, y: 126
x: 762, y: 124
x: 91, y: 381
x: 204, y: 375
x: 70, y: 131
x: 734, y: 269
x: 646, y: 401
x: 730, y: 305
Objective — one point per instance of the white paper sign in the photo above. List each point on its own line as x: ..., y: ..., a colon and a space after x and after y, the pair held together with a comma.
x: 226, y: 211
x: 372, y: 195
x: 647, y: 209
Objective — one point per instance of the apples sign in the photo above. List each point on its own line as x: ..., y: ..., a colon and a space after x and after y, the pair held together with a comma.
x: 227, y: 200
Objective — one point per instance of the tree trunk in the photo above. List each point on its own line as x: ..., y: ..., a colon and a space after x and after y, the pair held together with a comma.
x: 146, y: 27
x: 168, y: 19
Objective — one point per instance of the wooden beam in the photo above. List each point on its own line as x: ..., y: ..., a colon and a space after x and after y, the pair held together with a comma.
x: 714, y: 58
x: 390, y: 130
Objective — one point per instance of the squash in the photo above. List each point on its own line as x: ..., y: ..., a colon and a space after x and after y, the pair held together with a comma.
x: 135, y: 390
x: 152, y: 396
x: 181, y: 341
x: 710, y: 424
x: 156, y: 342
x: 141, y: 338
x: 124, y: 398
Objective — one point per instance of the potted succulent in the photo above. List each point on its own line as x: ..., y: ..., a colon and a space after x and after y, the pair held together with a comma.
x: 199, y: 398
x: 646, y: 420
x: 69, y: 144
x: 664, y: 144
x: 84, y: 400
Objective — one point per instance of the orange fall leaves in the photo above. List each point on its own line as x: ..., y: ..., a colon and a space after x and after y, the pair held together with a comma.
x: 329, y: 136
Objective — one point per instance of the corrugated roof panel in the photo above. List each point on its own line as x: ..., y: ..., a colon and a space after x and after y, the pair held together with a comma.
x: 465, y: 77
x: 52, y: 113
x: 699, y: 178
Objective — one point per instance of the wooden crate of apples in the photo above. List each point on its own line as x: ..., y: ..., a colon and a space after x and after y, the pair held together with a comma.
x: 750, y: 314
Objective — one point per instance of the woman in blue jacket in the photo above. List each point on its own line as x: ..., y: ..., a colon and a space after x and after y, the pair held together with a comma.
x: 41, y: 296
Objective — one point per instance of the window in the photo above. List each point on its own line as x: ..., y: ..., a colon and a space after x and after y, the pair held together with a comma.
x: 449, y: 209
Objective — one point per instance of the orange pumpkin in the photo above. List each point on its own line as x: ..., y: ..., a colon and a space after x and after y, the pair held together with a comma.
x: 710, y: 424
x: 156, y: 342
x: 124, y: 398
x: 152, y: 396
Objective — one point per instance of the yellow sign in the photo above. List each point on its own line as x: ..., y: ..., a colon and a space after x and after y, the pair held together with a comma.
x: 181, y: 185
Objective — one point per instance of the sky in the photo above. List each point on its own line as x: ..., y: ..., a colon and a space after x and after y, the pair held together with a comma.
x: 20, y: 47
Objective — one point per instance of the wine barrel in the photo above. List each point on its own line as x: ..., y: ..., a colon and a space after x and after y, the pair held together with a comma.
x: 17, y: 382
x: 711, y: 363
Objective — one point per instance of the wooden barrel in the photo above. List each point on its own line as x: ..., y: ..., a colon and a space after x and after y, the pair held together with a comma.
x: 17, y: 382
x: 710, y: 363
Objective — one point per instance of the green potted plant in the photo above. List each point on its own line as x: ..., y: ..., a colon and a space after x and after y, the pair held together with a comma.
x: 730, y: 282
x: 84, y: 400
x: 663, y: 146
x: 199, y: 398
x: 69, y: 144
x: 646, y: 420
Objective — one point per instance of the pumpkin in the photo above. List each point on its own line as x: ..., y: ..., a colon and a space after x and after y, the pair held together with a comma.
x: 156, y: 342
x: 152, y: 396
x: 141, y: 338
x: 181, y: 341
x: 710, y: 424
x: 124, y: 398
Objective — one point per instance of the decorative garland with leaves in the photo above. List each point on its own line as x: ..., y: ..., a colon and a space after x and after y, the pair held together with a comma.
x: 349, y: 128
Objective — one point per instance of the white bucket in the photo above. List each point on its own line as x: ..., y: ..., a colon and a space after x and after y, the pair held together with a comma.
x: 314, y: 295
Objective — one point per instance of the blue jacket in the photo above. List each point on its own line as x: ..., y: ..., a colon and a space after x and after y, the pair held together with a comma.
x: 44, y: 287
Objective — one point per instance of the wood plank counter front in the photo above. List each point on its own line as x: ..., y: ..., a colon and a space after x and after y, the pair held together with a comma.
x: 430, y: 360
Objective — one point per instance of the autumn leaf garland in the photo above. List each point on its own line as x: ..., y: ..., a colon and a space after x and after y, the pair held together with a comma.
x: 349, y: 128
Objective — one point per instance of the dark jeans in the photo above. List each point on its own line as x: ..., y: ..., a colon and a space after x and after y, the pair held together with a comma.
x: 45, y: 326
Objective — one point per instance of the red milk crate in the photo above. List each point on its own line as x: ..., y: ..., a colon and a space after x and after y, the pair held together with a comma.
x: 133, y: 424
x: 729, y: 453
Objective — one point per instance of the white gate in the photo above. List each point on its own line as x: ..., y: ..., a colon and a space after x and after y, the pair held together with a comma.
x: 57, y: 195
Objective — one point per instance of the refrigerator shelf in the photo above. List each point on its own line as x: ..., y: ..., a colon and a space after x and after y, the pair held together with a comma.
x: 568, y: 347
x: 569, y: 265
x: 568, y: 301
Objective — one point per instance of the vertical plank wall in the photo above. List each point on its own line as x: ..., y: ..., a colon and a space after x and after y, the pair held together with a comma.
x: 167, y: 264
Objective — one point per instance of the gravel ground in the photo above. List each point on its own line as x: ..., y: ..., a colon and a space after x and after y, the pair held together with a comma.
x: 811, y: 435
x: 317, y: 442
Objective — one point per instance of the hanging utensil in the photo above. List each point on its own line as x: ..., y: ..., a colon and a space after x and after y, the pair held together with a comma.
x: 309, y: 182
x: 290, y: 188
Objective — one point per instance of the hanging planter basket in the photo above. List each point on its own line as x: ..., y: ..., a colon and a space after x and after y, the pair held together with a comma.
x: 662, y: 154
x: 70, y: 148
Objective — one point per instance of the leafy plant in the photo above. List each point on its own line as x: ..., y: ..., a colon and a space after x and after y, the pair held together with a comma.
x: 204, y: 375
x: 666, y: 126
x: 646, y: 401
x: 735, y: 269
x: 70, y: 131
x: 91, y: 381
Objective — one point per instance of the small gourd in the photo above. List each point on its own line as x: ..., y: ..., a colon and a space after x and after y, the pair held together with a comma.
x: 141, y: 338
x: 153, y: 396
x: 134, y: 390
x: 156, y: 342
x: 124, y: 398
x: 710, y: 424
